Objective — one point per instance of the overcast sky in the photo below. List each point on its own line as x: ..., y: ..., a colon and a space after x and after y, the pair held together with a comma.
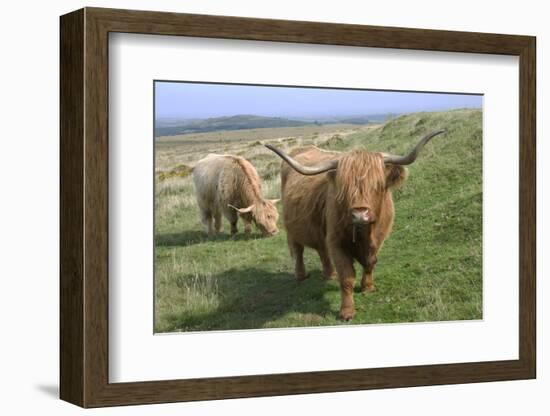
x: 191, y: 100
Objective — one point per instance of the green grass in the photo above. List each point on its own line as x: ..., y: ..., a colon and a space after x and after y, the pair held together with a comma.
x: 428, y: 270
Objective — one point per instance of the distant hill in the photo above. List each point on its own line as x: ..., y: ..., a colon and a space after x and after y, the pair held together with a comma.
x: 174, y: 126
x: 356, y: 120
x: 170, y: 127
x: 366, y: 119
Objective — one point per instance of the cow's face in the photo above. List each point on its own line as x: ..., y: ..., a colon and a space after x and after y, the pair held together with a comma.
x: 265, y: 217
x: 264, y: 214
x: 361, y: 182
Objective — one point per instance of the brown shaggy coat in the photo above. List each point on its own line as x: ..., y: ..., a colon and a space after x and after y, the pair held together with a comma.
x: 317, y: 214
x: 230, y: 186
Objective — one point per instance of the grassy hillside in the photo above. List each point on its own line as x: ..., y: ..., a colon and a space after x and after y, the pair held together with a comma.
x: 428, y: 270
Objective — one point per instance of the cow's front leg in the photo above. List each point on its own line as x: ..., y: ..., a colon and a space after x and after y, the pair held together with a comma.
x: 347, y: 283
x: 247, y: 226
x: 206, y: 219
x: 367, y: 281
x: 346, y: 276
x: 369, y: 261
x: 218, y: 225
x: 232, y: 217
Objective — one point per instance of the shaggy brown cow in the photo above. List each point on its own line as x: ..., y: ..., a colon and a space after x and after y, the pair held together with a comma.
x: 230, y: 185
x: 340, y: 204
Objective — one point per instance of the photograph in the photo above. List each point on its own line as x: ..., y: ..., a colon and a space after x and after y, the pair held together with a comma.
x: 283, y: 206
x: 241, y: 194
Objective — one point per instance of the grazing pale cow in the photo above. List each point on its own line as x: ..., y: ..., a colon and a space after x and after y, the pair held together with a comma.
x: 340, y: 204
x: 230, y: 186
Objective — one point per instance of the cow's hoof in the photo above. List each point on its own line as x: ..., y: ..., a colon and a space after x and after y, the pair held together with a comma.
x: 368, y: 289
x: 347, y: 314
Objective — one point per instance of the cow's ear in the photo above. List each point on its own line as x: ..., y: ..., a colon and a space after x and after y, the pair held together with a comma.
x: 331, y: 174
x: 395, y: 175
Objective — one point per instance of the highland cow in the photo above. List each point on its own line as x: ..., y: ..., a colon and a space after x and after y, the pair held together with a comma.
x: 230, y: 186
x: 341, y: 205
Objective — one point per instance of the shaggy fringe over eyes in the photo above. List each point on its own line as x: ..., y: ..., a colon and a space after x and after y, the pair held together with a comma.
x: 359, y: 173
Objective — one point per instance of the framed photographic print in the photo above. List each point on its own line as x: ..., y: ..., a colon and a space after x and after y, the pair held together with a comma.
x: 255, y: 207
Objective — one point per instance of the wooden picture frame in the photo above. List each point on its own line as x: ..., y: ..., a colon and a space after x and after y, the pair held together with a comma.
x: 84, y: 207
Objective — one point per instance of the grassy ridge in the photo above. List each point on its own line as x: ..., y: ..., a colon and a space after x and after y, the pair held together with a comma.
x: 428, y: 270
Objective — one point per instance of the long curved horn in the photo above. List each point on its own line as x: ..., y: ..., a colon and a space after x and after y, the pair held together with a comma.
x: 411, y: 157
x: 303, y: 169
x: 242, y: 210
